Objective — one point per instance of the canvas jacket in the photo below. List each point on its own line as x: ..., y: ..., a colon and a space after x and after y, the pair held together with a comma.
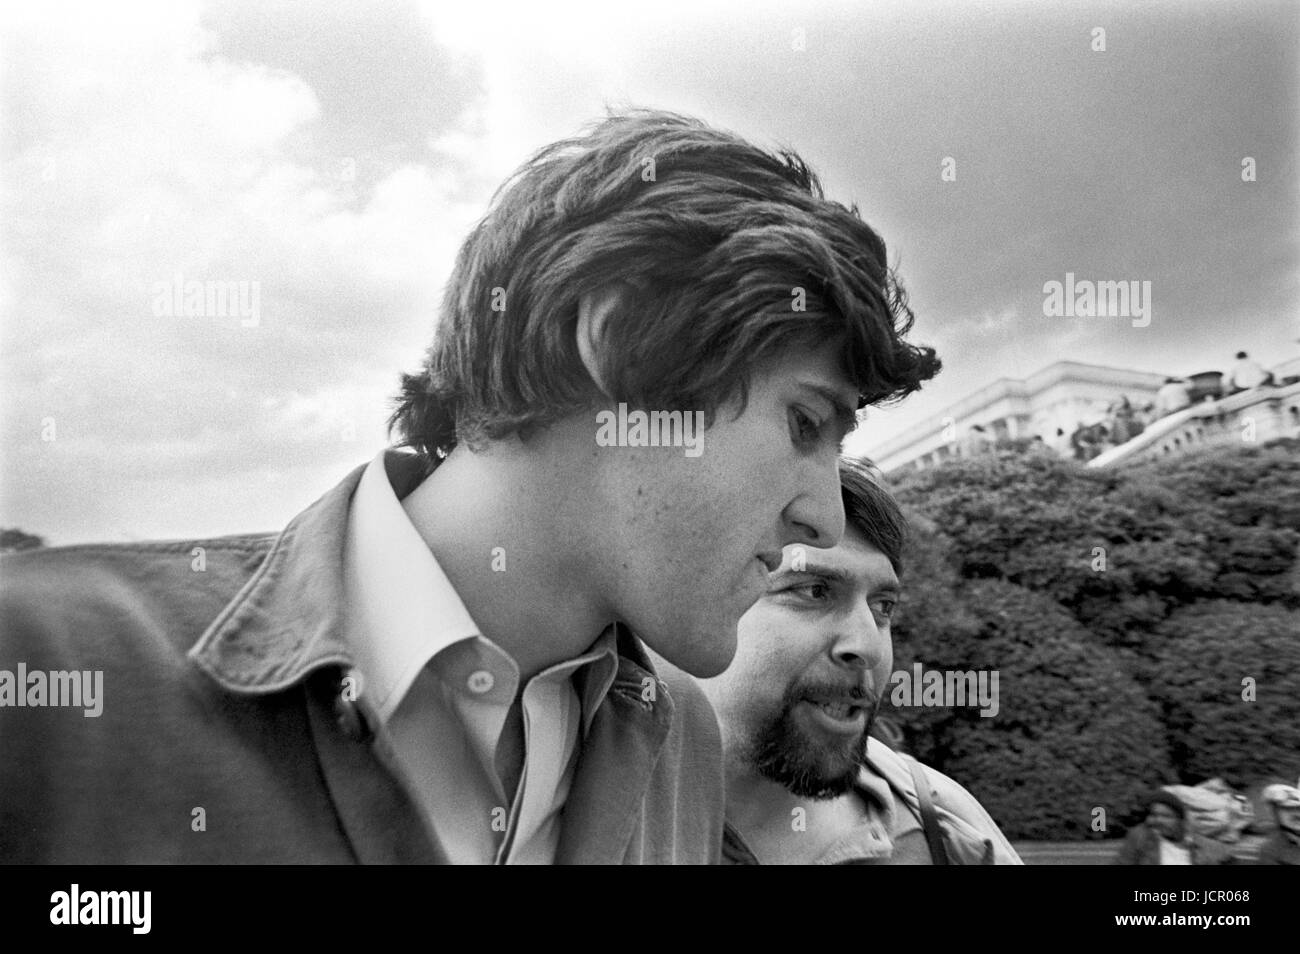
x: 891, y: 834
x: 227, y: 736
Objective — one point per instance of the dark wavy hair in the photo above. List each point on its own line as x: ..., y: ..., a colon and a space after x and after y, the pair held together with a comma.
x: 731, y: 253
x: 871, y: 509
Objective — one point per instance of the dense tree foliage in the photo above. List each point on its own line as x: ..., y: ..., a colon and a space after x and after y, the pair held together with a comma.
x: 1073, y: 730
x: 1122, y: 609
x: 1228, y: 678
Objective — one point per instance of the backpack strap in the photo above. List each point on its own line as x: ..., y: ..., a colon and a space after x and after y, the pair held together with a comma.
x: 929, y: 817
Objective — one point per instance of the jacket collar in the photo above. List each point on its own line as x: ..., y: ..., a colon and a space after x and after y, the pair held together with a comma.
x: 287, y: 621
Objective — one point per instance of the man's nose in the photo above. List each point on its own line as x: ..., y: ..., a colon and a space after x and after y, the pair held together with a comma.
x: 859, y: 643
x: 816, y: 515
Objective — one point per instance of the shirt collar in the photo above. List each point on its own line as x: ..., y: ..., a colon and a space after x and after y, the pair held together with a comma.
x: 404, y: 611
x: 593, y: 672
x: 870, y: 841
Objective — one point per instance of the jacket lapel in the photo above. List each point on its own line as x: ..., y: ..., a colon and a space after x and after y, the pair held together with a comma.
x: 616, y: 763
x: 378, y: 816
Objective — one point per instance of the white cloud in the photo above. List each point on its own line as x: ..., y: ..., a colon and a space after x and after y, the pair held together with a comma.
x: 136, y: 154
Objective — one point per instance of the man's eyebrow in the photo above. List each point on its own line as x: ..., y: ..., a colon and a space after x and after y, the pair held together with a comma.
x: 837, y: 574
x: 832, y: 573
x: 846, y: 415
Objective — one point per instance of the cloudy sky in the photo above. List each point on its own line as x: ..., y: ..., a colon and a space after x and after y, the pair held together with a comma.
x: 332, y: 155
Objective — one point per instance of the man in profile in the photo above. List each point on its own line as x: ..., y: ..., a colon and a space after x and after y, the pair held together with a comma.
x: 805, y: 782
x: 444, y: 658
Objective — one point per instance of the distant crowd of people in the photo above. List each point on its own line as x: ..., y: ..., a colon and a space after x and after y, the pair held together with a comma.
x: 1210, y: 824
x: 1125, y: 421
x: 1122, y: 423
x: 1245, y: 373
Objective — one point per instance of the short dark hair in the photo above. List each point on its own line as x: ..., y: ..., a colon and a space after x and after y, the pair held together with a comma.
x: 733, y: 253
x: 872, y: 510
x: 1168, y: 799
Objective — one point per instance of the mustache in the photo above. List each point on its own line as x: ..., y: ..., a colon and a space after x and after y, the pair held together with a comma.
x: 828, y: 689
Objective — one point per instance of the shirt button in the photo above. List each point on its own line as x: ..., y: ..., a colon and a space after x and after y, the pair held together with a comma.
x: 480, y: 681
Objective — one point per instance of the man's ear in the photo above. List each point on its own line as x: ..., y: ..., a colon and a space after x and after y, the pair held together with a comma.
x: 594, y: 309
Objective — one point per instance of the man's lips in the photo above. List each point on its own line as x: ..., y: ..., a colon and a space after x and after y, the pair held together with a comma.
x: 839, y: 710
x: 837, y: 720
x: 843, y: 709
x: 764, y: 564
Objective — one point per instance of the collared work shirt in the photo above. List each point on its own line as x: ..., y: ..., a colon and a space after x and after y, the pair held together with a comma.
x: 442, y: 692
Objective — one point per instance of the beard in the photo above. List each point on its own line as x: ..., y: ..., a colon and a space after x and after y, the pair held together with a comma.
x: 808, y: 763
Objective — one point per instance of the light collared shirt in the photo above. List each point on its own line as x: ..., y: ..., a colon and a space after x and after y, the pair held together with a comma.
x: 441, y: 692
x: 1173, y: 854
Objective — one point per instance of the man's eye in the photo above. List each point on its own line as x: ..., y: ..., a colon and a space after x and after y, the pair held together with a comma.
x: 887, y: 607
x: 812, y: 591
x: 806, y: 430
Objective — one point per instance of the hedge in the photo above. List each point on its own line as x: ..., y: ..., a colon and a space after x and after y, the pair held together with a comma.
x: 1122, y: 608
